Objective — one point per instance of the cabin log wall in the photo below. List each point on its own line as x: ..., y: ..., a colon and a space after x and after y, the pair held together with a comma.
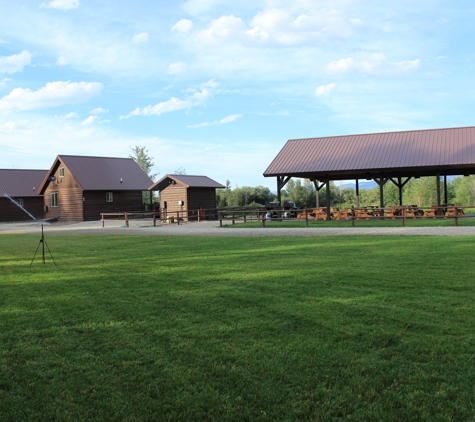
x: 171, y: 195
x: 70, y: 206
x: 201, y: 198
x: 11, y: 212
x: 95, y: 203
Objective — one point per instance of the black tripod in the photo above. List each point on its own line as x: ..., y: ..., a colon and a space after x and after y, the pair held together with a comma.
x: 42, y: 242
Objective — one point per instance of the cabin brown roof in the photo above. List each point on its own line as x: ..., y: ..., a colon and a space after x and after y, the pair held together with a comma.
x: 187, y: 181
x: 421, y: 152
x: 21, y: 183
x: 102, y: 173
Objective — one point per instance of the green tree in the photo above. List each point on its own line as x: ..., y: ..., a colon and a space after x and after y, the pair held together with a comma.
x: 141, y: 156
x: 464, y: 189
x: 180, y: 170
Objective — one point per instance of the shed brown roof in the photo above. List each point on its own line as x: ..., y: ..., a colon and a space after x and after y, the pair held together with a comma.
x: 21, y: 183
x: 422, y: 152
x: 188, y: 181
x: 102, y: 173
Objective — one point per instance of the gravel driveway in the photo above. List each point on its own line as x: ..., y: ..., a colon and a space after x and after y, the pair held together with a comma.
x: 211, y: 228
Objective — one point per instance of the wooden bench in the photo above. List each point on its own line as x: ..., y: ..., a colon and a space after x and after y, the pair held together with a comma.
x: 432, y: 212
x: 346, y: 214
x: 363, y: 212
x: 454, y: 212
x: 306, y: 215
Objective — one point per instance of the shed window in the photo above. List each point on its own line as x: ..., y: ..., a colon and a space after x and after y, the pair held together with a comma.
x: 53, y: 199
x: 109, y: 197
x: 61, y: 172
x: 20, y: 202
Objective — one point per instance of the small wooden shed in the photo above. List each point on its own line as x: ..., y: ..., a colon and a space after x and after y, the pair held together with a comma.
x: 19, y: 199
x: 79, y: 188
x: 187, y: 194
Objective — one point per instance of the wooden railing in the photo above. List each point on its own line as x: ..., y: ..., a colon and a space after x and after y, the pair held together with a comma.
x: 353, y: 214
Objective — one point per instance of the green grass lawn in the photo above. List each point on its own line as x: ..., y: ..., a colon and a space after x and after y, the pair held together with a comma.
x: 129, y: 328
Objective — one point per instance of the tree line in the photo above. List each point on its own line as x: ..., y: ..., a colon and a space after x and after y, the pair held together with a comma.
x: 421, y: 192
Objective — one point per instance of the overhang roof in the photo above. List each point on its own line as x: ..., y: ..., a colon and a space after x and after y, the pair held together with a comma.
x: 21, y: 183
x: 421, y: 153
x: 186, y: 181
x: 102, y: 173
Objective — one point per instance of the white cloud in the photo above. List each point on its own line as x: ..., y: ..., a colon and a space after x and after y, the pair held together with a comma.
x: 341, y: 65
x: 89, y: 120
x: 3, y: 83
x: 15, y: 63
x: 173, y: 104
x: 53, y: 94
x: 376, y: 64
x: 325, y: 89
x: 229, y: 119
x: 177, y: 68
x: 210, y: 84
x: 61, y: 4
x: 72, y: 115
x: 183, y: 25
x: 301, y: 23
x: 99, y: 110
x: 223, y: 121
x: 140, y: 38
x: 224, y: 27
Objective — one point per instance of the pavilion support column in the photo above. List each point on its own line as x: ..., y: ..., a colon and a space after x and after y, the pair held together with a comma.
x: 357, y: 193
x: 437, y: 178
x: 446, y: 196
x: 400, y: 190
x: 381, y: 182
x: 400, y: 184
x: 318, y: 187
x: 329, y: 216
x: 281, y: 182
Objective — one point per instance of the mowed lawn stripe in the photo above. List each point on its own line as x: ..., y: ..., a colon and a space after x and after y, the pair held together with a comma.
x: 190, y: 328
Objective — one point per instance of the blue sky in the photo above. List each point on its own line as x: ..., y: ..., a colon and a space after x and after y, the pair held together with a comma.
x: 218, y: 87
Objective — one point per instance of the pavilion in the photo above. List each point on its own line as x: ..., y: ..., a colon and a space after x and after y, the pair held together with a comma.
x: 395, y: 156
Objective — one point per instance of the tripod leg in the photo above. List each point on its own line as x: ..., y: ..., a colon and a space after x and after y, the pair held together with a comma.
x: 44, y: 241
x: 31, y: 263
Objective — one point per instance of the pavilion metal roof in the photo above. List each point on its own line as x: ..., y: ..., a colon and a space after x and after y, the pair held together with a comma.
x: 102, y: 173
x: 186, y: 180
x: 21, y: 183
x: 419, y: 152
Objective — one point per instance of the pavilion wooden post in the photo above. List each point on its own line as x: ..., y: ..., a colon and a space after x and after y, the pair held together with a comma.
x: 439, y: 203
x: 400, y: 184
x: 381, y: 182
x: 281, y: 182
x: 329, y: 216
x: 357, y: 193
x: 446, y: 196
x: 318, y: 187
x: 400, y: 190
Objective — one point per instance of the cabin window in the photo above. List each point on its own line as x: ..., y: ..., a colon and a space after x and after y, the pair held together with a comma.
x: 109, y: 197
x: 53, y: 199
x: 61, y: 172
x: 20, y: 202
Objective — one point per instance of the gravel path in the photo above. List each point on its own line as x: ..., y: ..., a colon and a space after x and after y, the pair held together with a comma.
x: 211, y: 228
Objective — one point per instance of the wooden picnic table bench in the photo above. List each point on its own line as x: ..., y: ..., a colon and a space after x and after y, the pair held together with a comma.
x: 454, y: 212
